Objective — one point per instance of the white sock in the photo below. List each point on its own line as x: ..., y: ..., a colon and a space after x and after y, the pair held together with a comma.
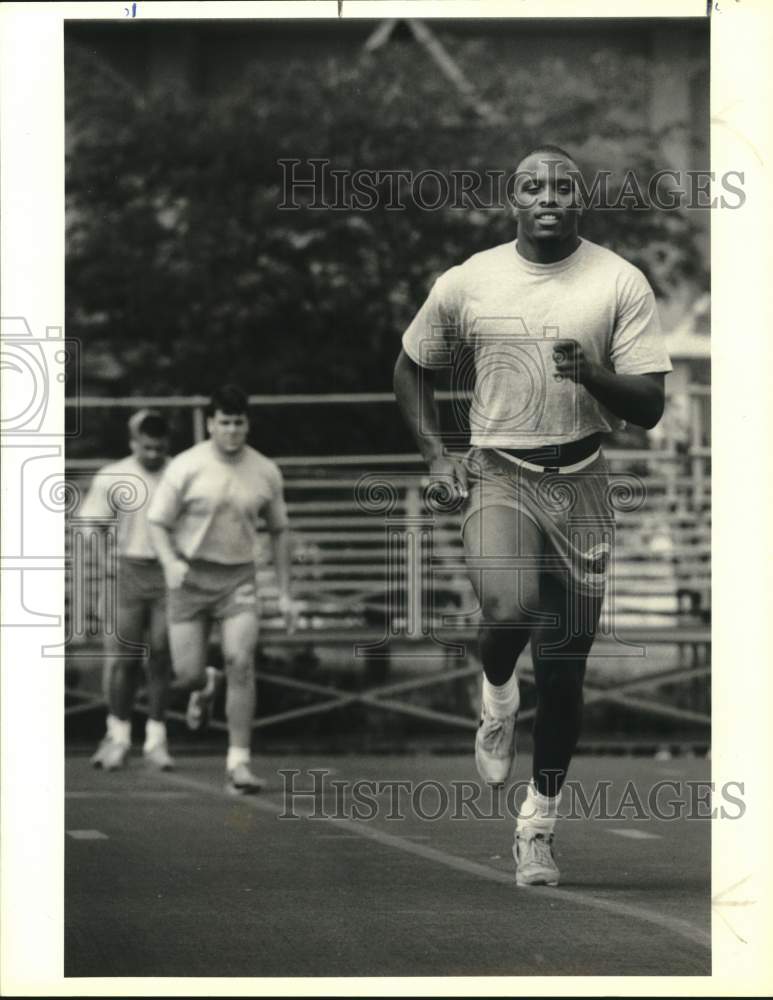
x: 538, y: 812
x: 237, y: 755
x: 501, y: 700
x: 122, y: 732
x: 155, y: 734
x: 111, y: 721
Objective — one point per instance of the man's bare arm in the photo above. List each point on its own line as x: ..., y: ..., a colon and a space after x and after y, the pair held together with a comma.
x: 414, y: 391
x: 281, y: 550
x: 639, y: 399
x: 173, y: 566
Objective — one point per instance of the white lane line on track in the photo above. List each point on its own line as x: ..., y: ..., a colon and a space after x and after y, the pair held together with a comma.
x: 675, y: 925
x: 87, y: 835
x: 335, y: 836
x: 355, y: 836
x: 634, y: 834
x: 165, y: 794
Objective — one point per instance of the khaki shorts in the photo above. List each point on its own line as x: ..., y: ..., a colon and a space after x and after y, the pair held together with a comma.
x: 214, y: 590
x: 571, y: 510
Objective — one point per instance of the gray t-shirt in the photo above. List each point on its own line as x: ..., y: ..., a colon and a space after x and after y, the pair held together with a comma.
x: 509, y: 313
x: 213, y: 502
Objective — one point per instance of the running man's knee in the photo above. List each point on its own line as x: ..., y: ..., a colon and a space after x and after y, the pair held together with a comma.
x: 189, y: 675
x: 240, y: 668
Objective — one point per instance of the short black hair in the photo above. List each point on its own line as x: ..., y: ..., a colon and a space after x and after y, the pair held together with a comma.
x: 557, y: 151
x: 150, y: 423
x: 228, y: 399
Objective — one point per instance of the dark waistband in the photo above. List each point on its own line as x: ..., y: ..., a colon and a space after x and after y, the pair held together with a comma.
x: 557, y: 455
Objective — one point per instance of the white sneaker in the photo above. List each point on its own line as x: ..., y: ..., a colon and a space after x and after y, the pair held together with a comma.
x: 158, y: 757
x: 495, y: 747
x: 115, y: 755
x: 97, y: 759
x: 534, y: 861
x: 241, y: 781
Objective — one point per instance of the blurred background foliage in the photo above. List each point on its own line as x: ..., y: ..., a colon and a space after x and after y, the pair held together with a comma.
x: 182, y: 271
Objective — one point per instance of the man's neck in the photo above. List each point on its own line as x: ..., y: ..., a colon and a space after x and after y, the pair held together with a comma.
x: 231, y: 457
x: 547, y: 251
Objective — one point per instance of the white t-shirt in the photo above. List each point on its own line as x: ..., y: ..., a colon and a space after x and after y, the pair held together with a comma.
x: 509, y: 313
x: 212, y: 502
x: 123, y: 490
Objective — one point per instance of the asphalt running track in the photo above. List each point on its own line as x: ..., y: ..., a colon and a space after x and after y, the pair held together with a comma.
x: 167, y: 875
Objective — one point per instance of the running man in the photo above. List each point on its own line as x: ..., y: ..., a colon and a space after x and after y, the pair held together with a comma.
x: 567, y: 347
x: 140, y: 598
x: 203, y: 523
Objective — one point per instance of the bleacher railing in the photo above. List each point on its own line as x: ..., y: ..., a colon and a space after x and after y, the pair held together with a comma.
x: 690, y: 442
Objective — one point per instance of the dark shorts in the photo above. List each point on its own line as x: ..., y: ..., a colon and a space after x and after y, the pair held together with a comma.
x: 214, y: 590
x: 129, y: 603
x: 572, y: 511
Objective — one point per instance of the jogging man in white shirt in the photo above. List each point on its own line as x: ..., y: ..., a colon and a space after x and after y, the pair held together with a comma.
x: 203, y: 522
x: 140, y: 598
x: 567, y: 347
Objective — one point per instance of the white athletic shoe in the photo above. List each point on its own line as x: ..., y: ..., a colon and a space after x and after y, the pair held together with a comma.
x: 115, y: 756
x: 534, y: 861
x: 241, y: 781
x: 97, y: 758
x: 495, y: 747
x: 159, y: 758
x: 200, y: 702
